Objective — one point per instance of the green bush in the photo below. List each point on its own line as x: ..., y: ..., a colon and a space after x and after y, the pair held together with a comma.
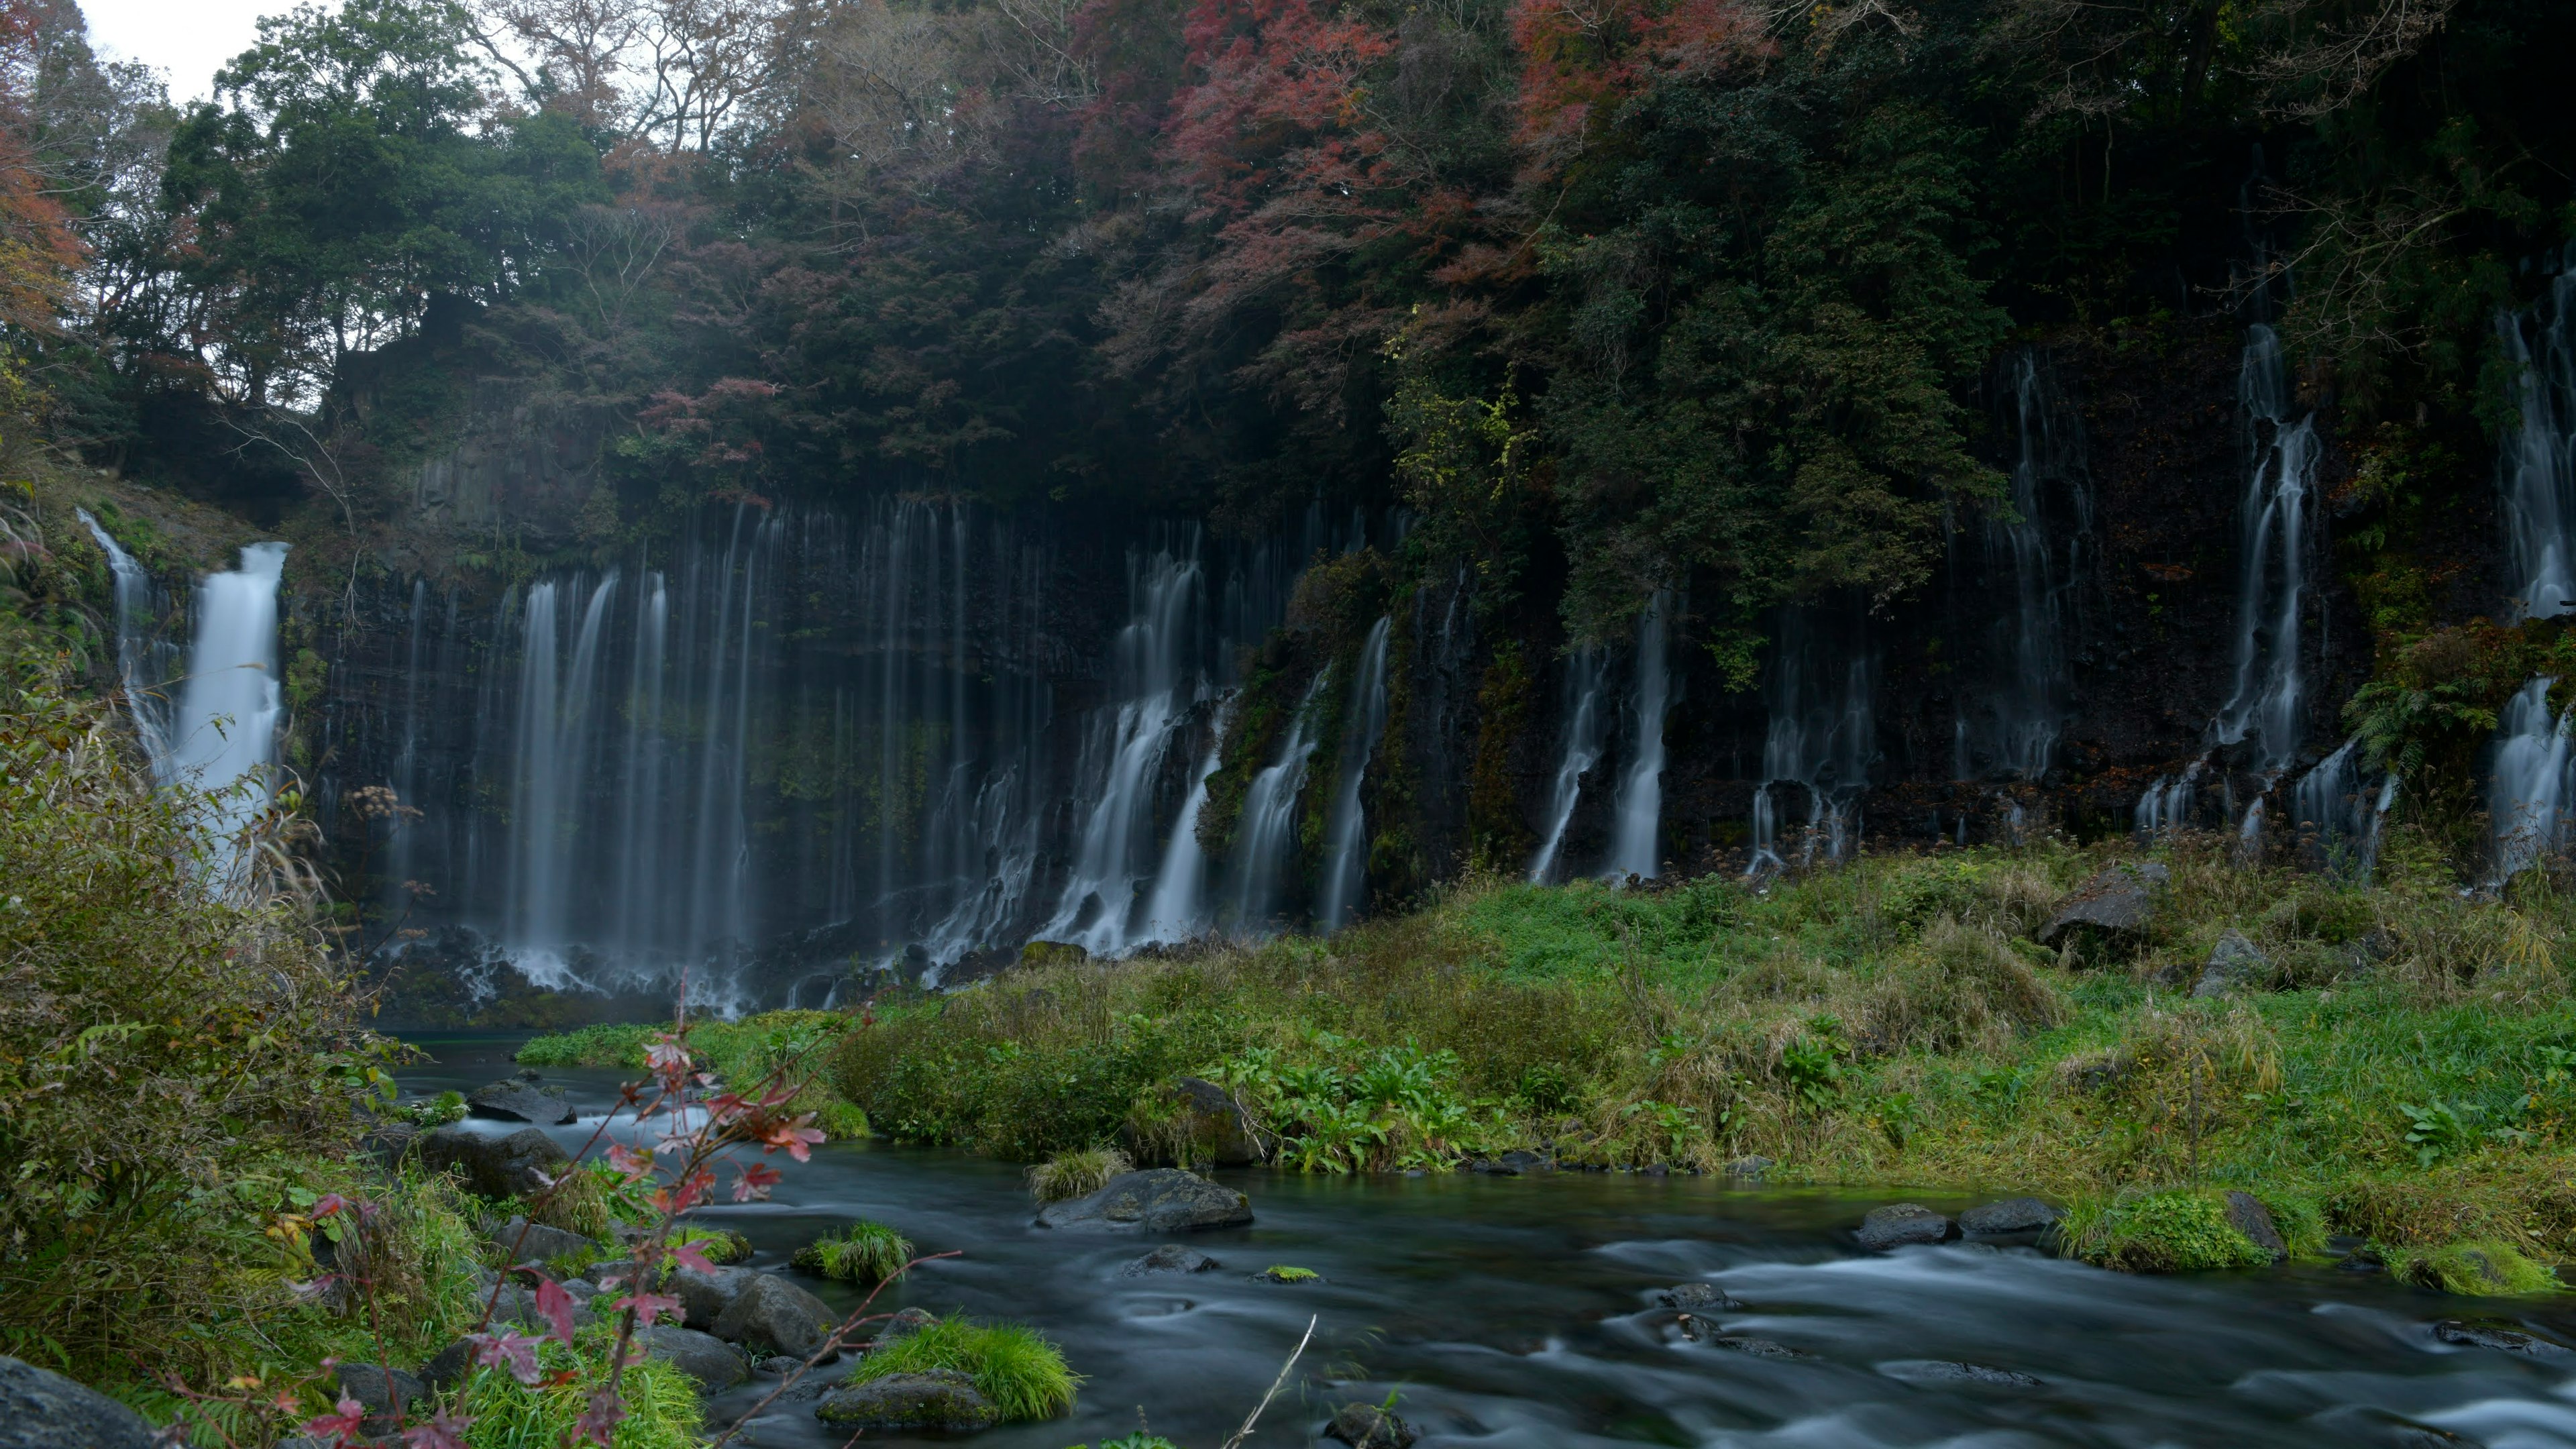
x: 662, y: 1409
x: 1020, y: 1372
x: 2489, y: 1269
x: 863, y: 1253
x: 2163, y: 1232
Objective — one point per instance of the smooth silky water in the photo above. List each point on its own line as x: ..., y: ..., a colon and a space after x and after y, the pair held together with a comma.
x: 1520, y: 1312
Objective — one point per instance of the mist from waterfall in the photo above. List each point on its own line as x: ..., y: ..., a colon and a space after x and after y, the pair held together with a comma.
x: 1638, y: 809
x: 2266, y: 698
x: 1585, y: 683
x: 1346, y: 829
x: 224, y: 738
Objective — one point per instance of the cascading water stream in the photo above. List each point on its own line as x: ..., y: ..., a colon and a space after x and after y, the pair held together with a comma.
x: 2340, y: 812
x: 555, y: 759
x: 1584, y: 686
x: 2011, y: 727
x: 1178, y: 910
x: 226, y: 731
x: 2265, y: 701
x: 1270, y: 818
x: 2528, y: 793
x: 1638, y: 809
x: 1346, y: 833
x: 1822, y: 737
x: 2536, y: 459
x: 142, y: 664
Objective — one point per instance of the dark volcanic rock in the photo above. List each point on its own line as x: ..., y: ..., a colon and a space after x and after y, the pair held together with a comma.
x: 2468, y: 1334
x: 448, y: 1367
x: 1928, y: 1371
x: 772, y: 1315
x: 528, y: 1242
x: 2014, y: 1217
x: 2246, y: 1214
x: 940, y: 1399
x: 40, y: 1409
x: 708, y: 1359
x: 1758, y: 1347
x: 1170, y: 1258
x: 1698, y: 1298
x: 1210, y: 1126
x: 1899, y: 1224
x: 2234, y: 963
x: 517, y: 1165
x: 520, y: 1099
x: 1750, y: 1168
x: 1158, y: 1199
x: 704, y: 1297
x: 2119, y: 899
x: 903, y: 1324
x: 380, y: 1391
x: 1366, y: 1426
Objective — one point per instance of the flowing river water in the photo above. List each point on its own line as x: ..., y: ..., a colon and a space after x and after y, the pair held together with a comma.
x: 1521, y: 1312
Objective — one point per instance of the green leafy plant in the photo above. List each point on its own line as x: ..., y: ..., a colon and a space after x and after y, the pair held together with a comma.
x: 2471, y: 1268
x: 862, y: 1253
x: 1020, y: 1372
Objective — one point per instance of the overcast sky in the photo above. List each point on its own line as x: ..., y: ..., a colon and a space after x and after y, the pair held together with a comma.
x: 187, y: 40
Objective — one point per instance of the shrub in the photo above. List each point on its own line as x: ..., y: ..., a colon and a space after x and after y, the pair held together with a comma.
x: 1020, y: 1372
x: 661, y: 1402
x: 1076, y: 1174
x: 862, y: 1253
x: 2163, y: 1232
x: 2472, y: 1268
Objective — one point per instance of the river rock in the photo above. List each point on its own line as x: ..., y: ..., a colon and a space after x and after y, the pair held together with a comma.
x: 1902, y: 1223
x: 2234, y: 963
x: 40, y: 1409
x: 522, y: 1098
x: 1170, y: 1258
x: 941, y: 1399
x: 380, y: 1391
x: 2246, y: 1214
x: 1699, y: 1298
x: 704, y: 1357
x: 904, y: 1324
x: 704, y: 1297
x: 1758, y: 1347
x: 2011, y: 1219
x: 772, y: 1315
x: 1749, y: 1168
x: 1211, y: 1125
x: 448, y: 1367
x: 520, y: 1164
x: 528, y: 1242
x: 1158, y: 1199
x: 1366, y: 1426
x: 2119, y: 899
x: 1927, y: 1371
x: 2467, y: 1334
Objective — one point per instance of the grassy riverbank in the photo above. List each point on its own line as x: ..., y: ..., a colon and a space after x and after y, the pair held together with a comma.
x: 2403, y: 1073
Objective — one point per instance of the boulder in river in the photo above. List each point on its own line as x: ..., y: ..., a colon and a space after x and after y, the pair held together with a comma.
x: 523, y: 1098
x: 1699, y: 1298
x: 1759, y: 1347
x: 710, y: 1360
x: 2468, y: 1333
x: 2235, y: 963
x: 40, y: 1409
x: 940, y: 1399
x: 1208, y: 1127
x: 772, y: 1315
x: 1933, y: 1371
x: 904, y: 1324
x: 704, y: 1297
x: 520, y: 1164
x: 2120, y: 899
x: 2247, y: 1215
x: 1900, y: 1224
x: 2014, y: 1218
x: 1170, y: 1258
x: 528, y: 1242
x: 1158, y: 1199
x: 1367, y: 1426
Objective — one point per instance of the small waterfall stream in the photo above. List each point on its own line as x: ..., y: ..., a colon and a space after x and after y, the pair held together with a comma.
x: 225, y: 736
x: 144, y: 663
x: 1822, y: 738
x: 2266, y: 699
x: 2536, y: 459
x: 1638, y: 810
x: 2528, y: 793
x: 2340, y: 812
x: 1584, y: 686
x: 1270, y: 818
x: 2010, y: 726
x: 1346, y: 831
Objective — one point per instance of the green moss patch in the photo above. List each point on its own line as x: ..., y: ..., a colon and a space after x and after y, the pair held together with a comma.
x: 2476, y: 1269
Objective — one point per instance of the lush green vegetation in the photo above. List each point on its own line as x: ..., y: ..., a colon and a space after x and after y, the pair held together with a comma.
x: 738, y: 1051
x: 661, y: 1402
x: 1013, y: 1367
x: 2405, y: 1076
x: 1078, y: 1172
x: 865, y: 1253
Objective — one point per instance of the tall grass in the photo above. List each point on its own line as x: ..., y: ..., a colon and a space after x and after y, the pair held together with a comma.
x: 1019, y: 1371
x: 662, y: 1409
x: 1076, y: 1173
x: 864, y: 1253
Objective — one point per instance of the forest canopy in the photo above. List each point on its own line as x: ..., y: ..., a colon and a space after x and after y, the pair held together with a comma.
x: 1664, y: 291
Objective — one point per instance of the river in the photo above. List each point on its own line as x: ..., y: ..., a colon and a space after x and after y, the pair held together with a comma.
x: 1518, y: 1313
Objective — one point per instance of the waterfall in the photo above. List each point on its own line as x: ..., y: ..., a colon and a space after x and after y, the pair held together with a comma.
x: 2265, y: 702
x: 2011, y: 726
x: 2166, y: 805
x: 2536, y: 460
x: 1639, y: 806
x: 1269, y: 818
x: 555, y: 756
x: 1583, y: 689
x: 1346, y: 833
x: 2339, y: 812
x: 2528, y: 796
x: 1177, y: 911
x: 142, y: 663
x: 230, y: 710
x: 1823, y: 737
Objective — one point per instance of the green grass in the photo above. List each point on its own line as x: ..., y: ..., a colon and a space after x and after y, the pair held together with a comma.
x: 1022, y: 1374
x: 662, y: 1410
x: 864, y: 1253
x: 2412, y: 1080
x: 2487, y: 1268
x: 2162, y: 1232
x: 742, y: 1052
x: 1076, y: 1173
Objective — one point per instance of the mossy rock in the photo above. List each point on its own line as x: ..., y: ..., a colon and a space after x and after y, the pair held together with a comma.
x: 2472, y: 1269
x: 2168, y: 1232
x: 940, y: 1399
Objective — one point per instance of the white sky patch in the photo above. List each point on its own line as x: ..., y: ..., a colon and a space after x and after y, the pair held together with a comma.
x: 186, y: 40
